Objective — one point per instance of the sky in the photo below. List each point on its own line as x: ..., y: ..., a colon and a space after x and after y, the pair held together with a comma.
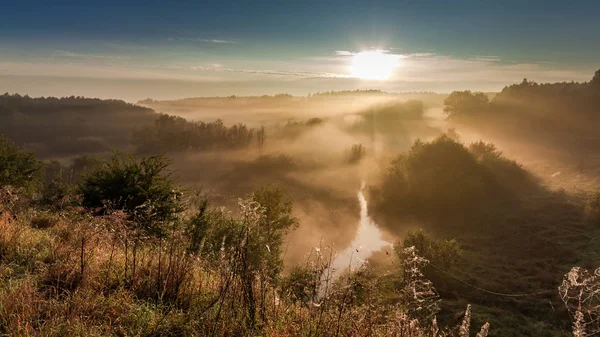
x: 173, y: 49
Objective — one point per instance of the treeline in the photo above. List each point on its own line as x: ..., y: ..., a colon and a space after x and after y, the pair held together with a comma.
x: 172, y: 134
x: 366, y: 92
x: 70, y: 125
x: 389, y: 118
x: 191, y: 100
x: 564, y: 109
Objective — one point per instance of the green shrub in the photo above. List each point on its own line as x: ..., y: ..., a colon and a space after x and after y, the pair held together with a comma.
x: 266, y: 216
x: 60, y: 181
x: 301, y: 284
x: 142, y: 188
x: 441, y: 253
x: 18, y: 168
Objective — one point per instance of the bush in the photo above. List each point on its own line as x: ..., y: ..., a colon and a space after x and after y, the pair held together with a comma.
x: 266, y: 216
x: 60, y: 181
x: 142, y: 188
x: 441, y: 253
x: 301, y: 284
x: 18, y: 168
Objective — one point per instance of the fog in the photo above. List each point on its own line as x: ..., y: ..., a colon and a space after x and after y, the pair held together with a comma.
x: 489, y: 187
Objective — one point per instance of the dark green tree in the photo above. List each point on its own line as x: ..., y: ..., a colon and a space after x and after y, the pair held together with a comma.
x: 142, y: 188
x: 465, y: 104
x: 18, y: 168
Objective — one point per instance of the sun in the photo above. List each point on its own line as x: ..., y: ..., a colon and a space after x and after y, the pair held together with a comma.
x: 373, y: 65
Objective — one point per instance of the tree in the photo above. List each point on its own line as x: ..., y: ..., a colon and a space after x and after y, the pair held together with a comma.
x: 465, y: 103
x: 18, y: 168
x: 441, y: 176
x: 142, y: 188
x: 277, y: 220
x: 356, y: 154
x: 596, y: 79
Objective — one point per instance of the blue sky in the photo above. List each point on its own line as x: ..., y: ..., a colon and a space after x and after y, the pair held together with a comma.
x: 255, y: 47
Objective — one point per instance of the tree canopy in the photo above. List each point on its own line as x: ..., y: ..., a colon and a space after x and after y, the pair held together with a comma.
x: 142, y: 188
x: 18, y: 168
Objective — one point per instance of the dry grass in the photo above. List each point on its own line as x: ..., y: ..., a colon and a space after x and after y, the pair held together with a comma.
x: 86, y: 276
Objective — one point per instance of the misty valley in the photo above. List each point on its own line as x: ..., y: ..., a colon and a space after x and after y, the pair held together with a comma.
x: 340, y: 213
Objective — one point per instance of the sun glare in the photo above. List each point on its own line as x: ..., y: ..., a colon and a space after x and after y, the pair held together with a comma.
x: 373, y: 65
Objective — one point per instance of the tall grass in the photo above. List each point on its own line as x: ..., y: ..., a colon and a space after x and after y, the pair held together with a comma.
x: 79, y: 275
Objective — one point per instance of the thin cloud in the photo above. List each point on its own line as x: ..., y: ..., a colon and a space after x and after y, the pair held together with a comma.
x: 418, y: 55
x: 272, y: 72
x: 67, y: 53
x: 218, y: 41
x: 486, y: 58
x: 343, y: 53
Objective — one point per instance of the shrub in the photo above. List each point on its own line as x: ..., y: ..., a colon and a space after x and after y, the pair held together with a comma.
x: 301, y: 284
x: 18, y: 168
x: 266, y: 216
x: 142, y: 188
x: 58, y: 194
x: 60, y: 181
x: 442, y: 253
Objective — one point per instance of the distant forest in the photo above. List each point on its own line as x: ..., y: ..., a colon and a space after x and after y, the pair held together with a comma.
x: 567, y: 113
x: 72, y: 126
x: 561, y: 112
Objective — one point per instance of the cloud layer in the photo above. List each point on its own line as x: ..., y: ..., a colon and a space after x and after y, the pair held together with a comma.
x: 268, y: 75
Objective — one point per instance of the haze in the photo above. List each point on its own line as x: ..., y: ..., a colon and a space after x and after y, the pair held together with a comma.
x: 336, y: 168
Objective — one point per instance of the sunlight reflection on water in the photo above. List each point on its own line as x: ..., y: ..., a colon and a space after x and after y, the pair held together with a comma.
x: 367, y: 240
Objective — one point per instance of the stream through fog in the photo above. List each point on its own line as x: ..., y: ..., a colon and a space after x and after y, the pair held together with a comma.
x: 367, y: 240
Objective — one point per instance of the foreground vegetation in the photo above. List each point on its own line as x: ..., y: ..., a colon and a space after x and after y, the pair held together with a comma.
x: 128, y: 254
